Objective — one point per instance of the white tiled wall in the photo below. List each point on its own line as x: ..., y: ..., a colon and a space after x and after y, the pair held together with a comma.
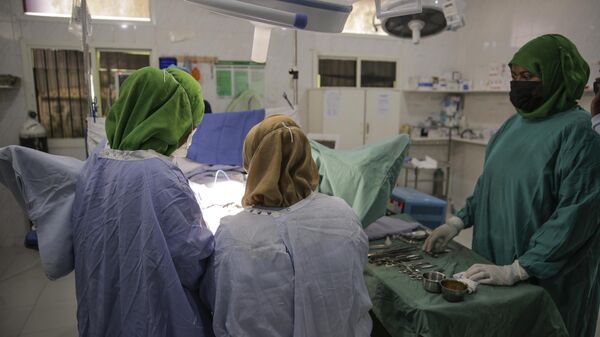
x: 494, y: 30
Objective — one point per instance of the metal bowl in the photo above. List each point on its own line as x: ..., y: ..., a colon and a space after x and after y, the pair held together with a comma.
x: 453, y: 290
x: 431, y: 281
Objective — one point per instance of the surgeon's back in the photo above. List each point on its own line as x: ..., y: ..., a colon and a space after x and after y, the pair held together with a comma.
x: 140, y: 246
x: 296, y: 271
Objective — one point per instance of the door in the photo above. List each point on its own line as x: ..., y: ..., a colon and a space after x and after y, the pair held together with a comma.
x: 338, y: 111
x: 382, y: 115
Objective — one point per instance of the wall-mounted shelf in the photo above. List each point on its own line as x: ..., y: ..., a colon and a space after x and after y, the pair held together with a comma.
x: 8, y: 81
x: 457, y: 91
x: 444, y: 141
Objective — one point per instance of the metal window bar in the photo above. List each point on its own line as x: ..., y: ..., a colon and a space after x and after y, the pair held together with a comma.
x: 85, y: 109
x: 71, y: 111
x: 59, y: 92
x: 58, y: 96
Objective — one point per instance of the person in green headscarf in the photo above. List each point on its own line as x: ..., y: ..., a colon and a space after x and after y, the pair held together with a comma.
x: 156, y: 110
x: 535, y: 210
x: 140, y: 243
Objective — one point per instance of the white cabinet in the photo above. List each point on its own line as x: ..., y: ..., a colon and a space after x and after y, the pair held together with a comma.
x: 358, y: 116
x: 382, y: 114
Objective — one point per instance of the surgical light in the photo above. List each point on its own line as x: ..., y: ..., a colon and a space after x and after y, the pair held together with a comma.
x: 313, y: 15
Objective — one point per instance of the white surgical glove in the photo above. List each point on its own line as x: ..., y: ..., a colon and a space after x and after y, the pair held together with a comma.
x: 439, y: 238
x: 497, y: 275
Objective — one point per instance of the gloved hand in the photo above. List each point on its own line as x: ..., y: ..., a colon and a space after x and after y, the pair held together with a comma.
x: 439, y: 238
x: 497, y: 275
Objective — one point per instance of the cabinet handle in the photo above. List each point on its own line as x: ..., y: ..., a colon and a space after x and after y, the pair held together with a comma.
x: 368, y: 128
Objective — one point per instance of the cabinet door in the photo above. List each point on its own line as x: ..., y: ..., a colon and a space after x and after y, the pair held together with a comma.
x: 382, y: 115
x: 339, y: 111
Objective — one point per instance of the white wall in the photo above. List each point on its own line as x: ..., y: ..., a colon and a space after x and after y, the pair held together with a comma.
x: 181, y: 28
x: 495, y: 29
x: 12, y: 115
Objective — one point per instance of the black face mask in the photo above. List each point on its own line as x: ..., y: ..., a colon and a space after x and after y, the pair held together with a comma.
x: 526, y: 95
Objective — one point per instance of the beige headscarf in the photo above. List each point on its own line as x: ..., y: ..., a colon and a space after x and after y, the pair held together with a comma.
x: 279, y: 162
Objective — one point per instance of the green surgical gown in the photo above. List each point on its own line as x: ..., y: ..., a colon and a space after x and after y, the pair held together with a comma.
x: 538, y: 201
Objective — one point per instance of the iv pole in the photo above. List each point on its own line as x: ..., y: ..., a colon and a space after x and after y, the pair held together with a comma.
x: 86, y: 67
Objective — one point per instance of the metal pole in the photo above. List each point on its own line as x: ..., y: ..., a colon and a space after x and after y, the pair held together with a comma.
x: 296, y: 66
x: 86, y: 63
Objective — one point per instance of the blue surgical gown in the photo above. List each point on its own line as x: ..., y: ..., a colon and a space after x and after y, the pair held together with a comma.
x: 140, y: 247
x: 291, y: 272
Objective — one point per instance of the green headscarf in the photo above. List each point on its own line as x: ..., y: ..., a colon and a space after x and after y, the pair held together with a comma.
x: 155, y: 110
x: 563, y: 71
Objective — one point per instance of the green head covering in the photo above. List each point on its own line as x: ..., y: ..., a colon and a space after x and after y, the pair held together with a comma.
x: 563, y: 71
x: 155, y: 110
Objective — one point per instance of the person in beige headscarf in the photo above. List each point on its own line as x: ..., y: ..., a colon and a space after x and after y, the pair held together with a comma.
x: 290, y: 264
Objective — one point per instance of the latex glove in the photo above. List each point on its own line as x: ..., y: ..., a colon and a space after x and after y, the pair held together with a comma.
x: 497, y: 275
x: 439, y: 238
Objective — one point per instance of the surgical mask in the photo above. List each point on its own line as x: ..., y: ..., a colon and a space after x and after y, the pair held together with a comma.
x: 526, y: 95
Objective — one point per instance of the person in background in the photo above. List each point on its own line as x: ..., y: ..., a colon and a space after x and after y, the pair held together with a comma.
x: 535, y: 209
x: 291, y: 263
x: 207, y: 107
x: 595, y: 106
x: 140, y: 242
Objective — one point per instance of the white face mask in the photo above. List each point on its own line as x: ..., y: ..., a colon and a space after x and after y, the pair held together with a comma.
x: 181, y: 152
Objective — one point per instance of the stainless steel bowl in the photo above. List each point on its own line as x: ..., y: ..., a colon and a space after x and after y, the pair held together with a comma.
x: 431, y: 281
x: 453, y: 290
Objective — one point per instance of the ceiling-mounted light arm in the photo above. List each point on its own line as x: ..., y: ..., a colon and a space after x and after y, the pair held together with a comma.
x: 255, y: 13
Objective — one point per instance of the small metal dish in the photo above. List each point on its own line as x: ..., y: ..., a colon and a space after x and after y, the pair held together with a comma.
x: 453, y: 290
x: 431, y: 281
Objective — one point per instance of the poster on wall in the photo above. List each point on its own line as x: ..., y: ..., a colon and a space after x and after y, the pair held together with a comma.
x: 241, y: 81
x: 332, y: 103
x: 383, y: 105
x: 224, y: 83
x: 236, y: 77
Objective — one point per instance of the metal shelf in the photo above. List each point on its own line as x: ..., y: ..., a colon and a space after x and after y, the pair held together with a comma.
x: 457, y: 91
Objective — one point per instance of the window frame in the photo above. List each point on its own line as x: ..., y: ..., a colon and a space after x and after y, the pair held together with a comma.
x: 28, y: 80
x: 96, y: 68
x: 18, y: 7
x: 317, y: 56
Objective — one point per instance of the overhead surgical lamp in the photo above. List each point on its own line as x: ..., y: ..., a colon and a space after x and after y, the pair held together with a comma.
x: 402, y: 18
x: 313, y: 15
x: 414, y: 19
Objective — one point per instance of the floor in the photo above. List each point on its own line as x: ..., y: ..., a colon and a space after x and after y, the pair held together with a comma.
x: 30, y: 304
x: 33, y: 306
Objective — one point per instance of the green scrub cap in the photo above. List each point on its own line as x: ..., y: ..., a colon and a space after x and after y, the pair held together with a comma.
x: 155, y: 110
x: 564, y: 72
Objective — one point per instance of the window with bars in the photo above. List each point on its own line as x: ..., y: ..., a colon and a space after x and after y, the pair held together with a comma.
x: 343, y: 73
x: 377, y: 74
x: 60, y: 92
x: 114, y: 67
x: 337, y: 73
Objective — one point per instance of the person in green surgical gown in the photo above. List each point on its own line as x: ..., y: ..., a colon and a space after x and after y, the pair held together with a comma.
x: 535, y: 210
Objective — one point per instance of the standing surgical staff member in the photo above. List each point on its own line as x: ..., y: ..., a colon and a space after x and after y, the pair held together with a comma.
x: 140, y: 242
x: 536, y: 207
x: 291, y: 263
x: 595, y: 108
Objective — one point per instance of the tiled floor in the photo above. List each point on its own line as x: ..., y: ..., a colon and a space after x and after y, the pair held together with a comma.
x: 33, y: 306
x: 30, y: 304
